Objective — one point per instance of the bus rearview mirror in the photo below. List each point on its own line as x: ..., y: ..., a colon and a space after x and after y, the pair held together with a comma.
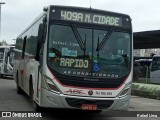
x: 41, y: 33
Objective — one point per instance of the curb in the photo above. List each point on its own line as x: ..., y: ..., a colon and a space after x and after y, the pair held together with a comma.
x: 146, y: 90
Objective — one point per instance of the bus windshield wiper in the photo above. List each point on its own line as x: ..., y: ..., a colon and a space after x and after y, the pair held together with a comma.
x: 78, y: 38
x: 104, y: 41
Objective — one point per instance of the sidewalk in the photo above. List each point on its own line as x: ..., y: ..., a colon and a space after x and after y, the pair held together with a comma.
x: 146, y: 90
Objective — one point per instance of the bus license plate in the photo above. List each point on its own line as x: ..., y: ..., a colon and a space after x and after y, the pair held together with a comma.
x: 89, y: 107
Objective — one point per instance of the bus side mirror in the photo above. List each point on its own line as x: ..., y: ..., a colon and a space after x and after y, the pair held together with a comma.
x: 41, y: 38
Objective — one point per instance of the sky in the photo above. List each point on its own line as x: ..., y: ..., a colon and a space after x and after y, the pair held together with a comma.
x: 16, y: 15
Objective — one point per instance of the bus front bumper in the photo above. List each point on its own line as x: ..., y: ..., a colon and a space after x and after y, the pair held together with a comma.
x: 53, y: 100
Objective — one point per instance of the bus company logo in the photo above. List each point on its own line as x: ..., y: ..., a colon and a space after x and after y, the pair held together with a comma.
x: 90, y: 92
x: 75, y: 91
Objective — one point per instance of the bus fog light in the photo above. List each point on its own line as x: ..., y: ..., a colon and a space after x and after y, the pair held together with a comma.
x: 51, y: 85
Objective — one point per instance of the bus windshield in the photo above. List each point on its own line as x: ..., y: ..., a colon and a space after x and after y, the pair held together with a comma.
x: 81, y: 51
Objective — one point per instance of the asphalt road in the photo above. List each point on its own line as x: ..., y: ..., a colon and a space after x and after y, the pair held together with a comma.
x: 11, y: 101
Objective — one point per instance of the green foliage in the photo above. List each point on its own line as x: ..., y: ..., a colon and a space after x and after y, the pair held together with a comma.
x: 146, y: 90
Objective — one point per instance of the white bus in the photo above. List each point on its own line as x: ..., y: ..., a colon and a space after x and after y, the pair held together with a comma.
x: 76, y: 58
x: 6, y: 60
x: 155, y: 70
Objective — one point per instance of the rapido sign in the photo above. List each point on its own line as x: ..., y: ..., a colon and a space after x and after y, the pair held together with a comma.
x: 75, y: 63
x: 91, y: 18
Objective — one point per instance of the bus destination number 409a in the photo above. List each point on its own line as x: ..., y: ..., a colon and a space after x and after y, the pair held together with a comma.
x: 76, y: 58
x: 91, y: 18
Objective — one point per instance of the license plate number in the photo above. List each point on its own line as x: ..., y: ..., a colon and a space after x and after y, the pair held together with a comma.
x: 89, y: 107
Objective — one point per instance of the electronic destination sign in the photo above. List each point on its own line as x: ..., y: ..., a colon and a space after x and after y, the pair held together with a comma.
x: 89, y: 16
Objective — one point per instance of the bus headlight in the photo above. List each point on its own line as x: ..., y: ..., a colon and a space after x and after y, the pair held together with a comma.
x: 125, y: 91
x: 50, y: 84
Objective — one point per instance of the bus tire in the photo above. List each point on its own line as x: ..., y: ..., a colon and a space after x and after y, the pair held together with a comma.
x: 1, y: 76
x: 35, y: 106
x: 19, y: 90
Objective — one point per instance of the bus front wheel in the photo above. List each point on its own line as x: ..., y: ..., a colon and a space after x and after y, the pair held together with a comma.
x: 36, y: 107
x: 19, y: 90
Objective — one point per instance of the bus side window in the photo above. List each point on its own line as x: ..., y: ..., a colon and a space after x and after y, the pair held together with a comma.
x: 24, y: 45
x: 38, y: 50
x: 6, y: 55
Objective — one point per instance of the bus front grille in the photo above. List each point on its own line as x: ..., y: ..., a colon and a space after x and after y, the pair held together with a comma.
x: 77, y: 103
